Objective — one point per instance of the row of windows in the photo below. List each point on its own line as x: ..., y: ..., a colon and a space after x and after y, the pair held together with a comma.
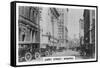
x: 29, y: 13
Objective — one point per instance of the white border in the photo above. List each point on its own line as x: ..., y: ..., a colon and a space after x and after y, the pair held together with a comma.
x: 45, y: 5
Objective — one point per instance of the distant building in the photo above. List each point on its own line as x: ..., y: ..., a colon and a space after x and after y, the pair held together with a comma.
x: 48, y: 26
x: 65, y: 25
x: 53, y: 28
x: 81, y: 31
x: 65, y: 36
x: 54, y: 20
x: 62, y: 27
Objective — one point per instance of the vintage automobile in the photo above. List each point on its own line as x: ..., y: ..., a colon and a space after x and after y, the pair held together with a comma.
x: 28, y: 51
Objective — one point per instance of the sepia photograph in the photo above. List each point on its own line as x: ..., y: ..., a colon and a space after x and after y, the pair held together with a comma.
x: 48, y: 34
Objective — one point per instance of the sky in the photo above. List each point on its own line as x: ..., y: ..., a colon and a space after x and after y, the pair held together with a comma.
x: 73, y: 22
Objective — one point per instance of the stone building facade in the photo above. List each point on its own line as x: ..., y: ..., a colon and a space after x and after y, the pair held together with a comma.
x: 28, y: 24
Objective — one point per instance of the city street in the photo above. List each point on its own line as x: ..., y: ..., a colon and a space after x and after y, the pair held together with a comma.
x: 64, y: 53
x: 67, y: 53
x: 48, y: 33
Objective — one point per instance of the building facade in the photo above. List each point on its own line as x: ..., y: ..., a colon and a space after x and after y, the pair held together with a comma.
x: 28, y: 24
x: 86, y: 26
x: 48, y: 26
x: 89, y: 32
x: 81, y: 31
x: 89, y: 26
x: 62, y: 27
x: 92, y: 27
x: 53, y: 26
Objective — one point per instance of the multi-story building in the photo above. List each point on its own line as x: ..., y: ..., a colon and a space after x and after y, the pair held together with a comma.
x: 86, y: 26
x: 66, y: 10
x: 54, y: 20
x: 92, y: 27
x: 81, y: 31
x: 89, y: 26
x: 62, y: 27
x: 53, y: 26
x: 48, y: 26
x: 89, y: 31
x: 29, y: 30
